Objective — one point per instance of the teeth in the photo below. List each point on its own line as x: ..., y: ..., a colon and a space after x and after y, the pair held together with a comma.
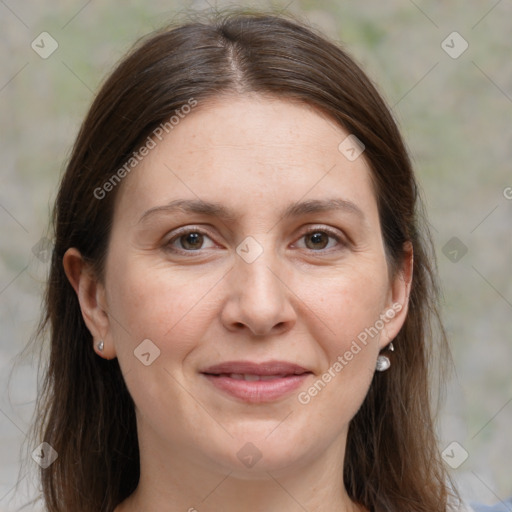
x: 240, y: 376
x: 251, y: 377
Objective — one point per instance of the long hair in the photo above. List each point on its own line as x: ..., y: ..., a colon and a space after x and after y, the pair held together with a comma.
x: 85, y: 412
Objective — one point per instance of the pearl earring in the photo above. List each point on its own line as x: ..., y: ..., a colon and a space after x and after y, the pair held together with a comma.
x: 100, y: 345
x: 383, y: 362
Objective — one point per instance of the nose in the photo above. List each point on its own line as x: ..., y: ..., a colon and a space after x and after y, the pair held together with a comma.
x: 258, y: 296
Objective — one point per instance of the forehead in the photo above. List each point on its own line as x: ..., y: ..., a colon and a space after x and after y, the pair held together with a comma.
x: 251, y: 152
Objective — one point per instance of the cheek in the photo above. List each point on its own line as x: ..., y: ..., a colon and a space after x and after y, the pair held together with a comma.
x: 160, y: 304
x: 347, y: 303
x: 168, y: 307
x: 347, y: 316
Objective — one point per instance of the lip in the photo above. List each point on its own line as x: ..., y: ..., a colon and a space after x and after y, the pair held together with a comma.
x: 281, y: 378
x: 264, y: 368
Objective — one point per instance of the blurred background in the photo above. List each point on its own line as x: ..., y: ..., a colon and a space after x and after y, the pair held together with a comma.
x: 444, y: 69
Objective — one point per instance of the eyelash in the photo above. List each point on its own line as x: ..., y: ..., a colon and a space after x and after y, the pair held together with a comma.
x: 331, y: 233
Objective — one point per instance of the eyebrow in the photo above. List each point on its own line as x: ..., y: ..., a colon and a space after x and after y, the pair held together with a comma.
x: 215, y: 209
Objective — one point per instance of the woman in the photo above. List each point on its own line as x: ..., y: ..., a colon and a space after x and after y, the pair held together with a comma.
x: 242, y: 306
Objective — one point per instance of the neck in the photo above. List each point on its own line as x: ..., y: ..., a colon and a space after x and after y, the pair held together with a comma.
x: 172, y: 481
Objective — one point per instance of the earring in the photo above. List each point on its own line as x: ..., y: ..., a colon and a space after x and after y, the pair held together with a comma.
x: 100, y: 345
x: 383, y: 362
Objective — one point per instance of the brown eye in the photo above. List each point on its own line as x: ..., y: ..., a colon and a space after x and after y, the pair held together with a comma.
x: 187, y: 241
x: 192, y: 240
x: 318, y: 240
x: 322, y: 240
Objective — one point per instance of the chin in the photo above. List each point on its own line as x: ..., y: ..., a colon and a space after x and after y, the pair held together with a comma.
x: 253, y: 457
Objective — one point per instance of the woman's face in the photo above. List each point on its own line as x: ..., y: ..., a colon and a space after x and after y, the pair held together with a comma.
x: 291, y: 284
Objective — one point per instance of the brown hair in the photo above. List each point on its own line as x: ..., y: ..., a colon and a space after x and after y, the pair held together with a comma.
x: 84, y: 409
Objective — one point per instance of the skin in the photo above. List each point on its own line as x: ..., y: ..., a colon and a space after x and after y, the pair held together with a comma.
x: 302, y: 300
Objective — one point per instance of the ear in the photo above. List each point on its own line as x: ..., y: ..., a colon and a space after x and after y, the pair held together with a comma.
x: 398, y: 298
x: 91, y: 296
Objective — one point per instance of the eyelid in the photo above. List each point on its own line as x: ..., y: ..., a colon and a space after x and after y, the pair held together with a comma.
x: 331, y: 232
x: 181, y: 232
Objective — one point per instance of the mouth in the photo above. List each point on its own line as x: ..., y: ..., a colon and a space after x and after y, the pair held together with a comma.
x: 256, y: 382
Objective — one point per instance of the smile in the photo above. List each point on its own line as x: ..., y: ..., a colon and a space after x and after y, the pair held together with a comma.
x: 256, y: 382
